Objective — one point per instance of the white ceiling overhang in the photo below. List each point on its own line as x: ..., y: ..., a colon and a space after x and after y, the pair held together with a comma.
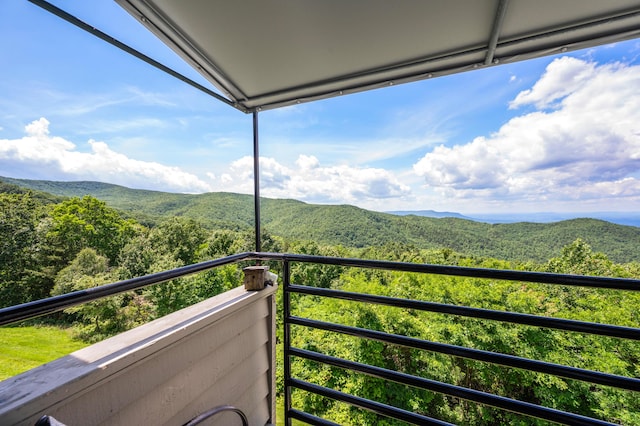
x: 264, y: 54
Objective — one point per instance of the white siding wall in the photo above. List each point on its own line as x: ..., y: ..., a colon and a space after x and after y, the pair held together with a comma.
x: 218, y: 352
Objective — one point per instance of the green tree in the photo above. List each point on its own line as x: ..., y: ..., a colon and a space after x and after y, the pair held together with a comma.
x: 221, y: 243
x: 181, y: 237
x: 174, y: 243
x: 89, y: 222
x: 311, y: 274
x: 100, y: 318
x: 579, y: 258
x: 22, y: 268
x: 137, y: 256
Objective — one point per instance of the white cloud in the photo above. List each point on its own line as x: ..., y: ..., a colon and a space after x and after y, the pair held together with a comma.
x: 307, y: 162
x: 309, y: 181
x: 563, y: 76
x: 586, y: 148
x: 42, y: 156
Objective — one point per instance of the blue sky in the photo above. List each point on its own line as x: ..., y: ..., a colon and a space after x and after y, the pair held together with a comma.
x: 555, y: 134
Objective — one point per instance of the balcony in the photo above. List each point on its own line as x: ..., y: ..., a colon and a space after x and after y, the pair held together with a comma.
x: 215, y: 353
x: 219, y: 357
x: 222, y: 353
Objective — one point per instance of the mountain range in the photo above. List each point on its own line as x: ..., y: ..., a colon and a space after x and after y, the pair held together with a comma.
x: 356, y: 227
x: 621, y: 218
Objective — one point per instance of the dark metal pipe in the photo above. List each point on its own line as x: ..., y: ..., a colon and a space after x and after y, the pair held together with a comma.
x: 286, y: 309
x: 504, y: 316
x: 44, y: 306
x: 597, y: 377
x: 256, y: 181
x: 513, y: 405
x: 367, y: 404
x: 461, y: 271
x: 310, y: 419
x: 57, y: 303
x: 215, y: 411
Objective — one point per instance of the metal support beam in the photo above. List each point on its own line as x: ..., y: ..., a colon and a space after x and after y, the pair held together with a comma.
x: 495, y: 31
x: 256, y: 181
x: 286, y: 338
x: 130, y: 50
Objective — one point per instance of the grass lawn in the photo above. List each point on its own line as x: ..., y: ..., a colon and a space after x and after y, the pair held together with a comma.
x: 23, y: 348
x: 280, y: 414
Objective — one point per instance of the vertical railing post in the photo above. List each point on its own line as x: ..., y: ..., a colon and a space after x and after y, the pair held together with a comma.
x: 286, y: 313
x: 256, y: 181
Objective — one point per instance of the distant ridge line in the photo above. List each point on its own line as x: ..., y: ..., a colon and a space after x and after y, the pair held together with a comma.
x: 98, y: 189
x: 351, y: 226
x: 429, y: 213
x: 620, y: 218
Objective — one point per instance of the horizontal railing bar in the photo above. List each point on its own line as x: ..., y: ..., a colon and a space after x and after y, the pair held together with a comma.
x: 310, y: 419
x: 513, y: 317
x: 52, y: 304
x: 513, y: 405
x: 525, y: 276
x: 500, y: 274
x: 376, y: 407
x: 590, y: 376
x: 41, y: 307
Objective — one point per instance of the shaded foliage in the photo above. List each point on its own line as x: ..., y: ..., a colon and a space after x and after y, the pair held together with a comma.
x: 24, y: 273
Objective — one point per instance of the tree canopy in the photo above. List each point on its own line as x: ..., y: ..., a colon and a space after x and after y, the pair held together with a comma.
x: 57, y: 247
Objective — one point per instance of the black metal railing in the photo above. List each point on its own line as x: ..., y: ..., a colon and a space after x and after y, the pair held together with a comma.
x: 41, y: 307
x: 45, y: 306
x: 499, y: 402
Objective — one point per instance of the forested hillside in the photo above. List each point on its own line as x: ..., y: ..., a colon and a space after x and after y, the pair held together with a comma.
x: 355, y: 227
x: 51, y: 245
